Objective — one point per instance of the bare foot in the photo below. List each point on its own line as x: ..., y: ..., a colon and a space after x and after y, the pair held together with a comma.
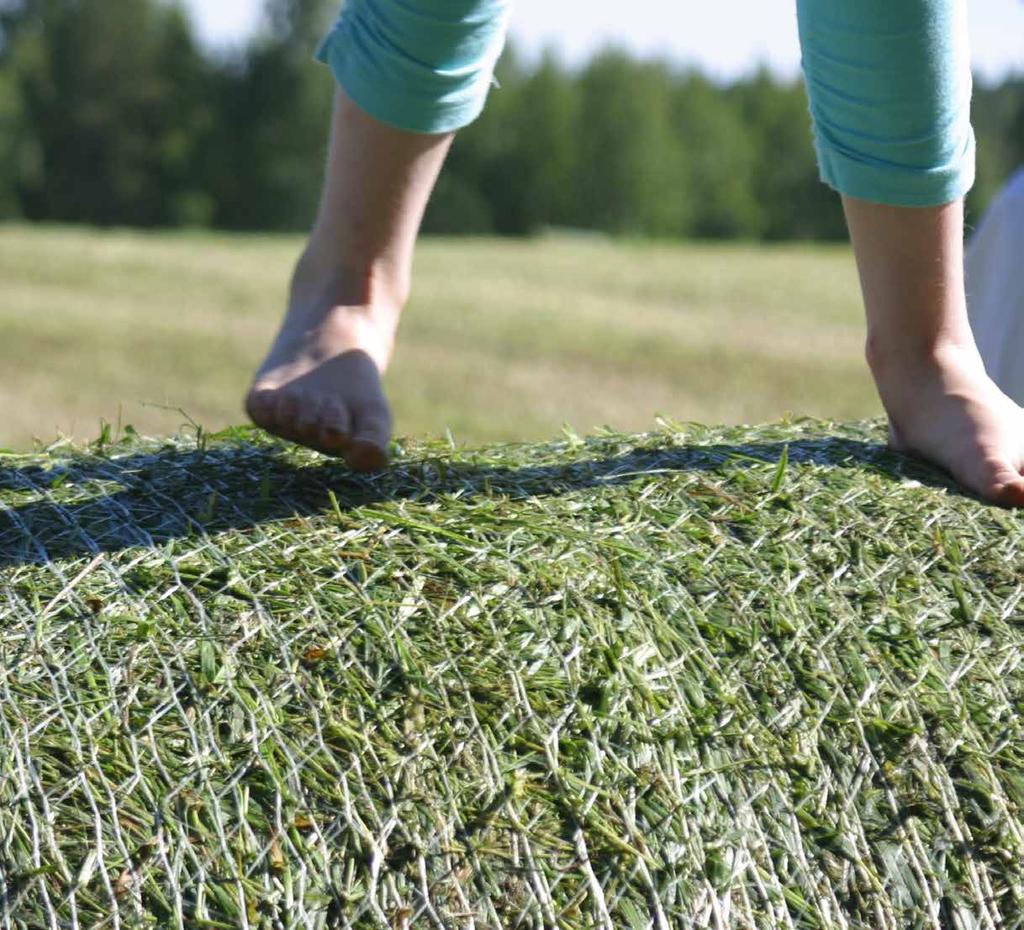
x: 320, y: 385
x: 945, y: 408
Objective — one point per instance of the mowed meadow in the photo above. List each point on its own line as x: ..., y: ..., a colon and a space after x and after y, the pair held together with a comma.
x: 503, y: 339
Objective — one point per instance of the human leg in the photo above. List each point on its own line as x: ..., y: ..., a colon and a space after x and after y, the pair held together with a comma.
x: 320, y: 384
x: 889, y: 86
x: 940, y: 401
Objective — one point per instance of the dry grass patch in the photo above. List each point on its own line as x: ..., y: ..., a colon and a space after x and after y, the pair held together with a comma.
x: 504, y: 340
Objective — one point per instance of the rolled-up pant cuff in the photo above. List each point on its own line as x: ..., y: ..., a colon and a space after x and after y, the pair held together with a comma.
x: 421, y: 66
x: 889, y: 83
x: 894, y: 184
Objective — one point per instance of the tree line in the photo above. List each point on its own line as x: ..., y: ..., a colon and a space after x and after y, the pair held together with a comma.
x: 112, y: 113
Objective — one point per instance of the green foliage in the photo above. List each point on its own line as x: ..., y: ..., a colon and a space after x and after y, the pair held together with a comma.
x: 794, y: 204
x: 18, y: 157
x: 110, y: 98
x: 507, y: 173
x: 998, y: 118
x: 628, y: 154
x: 266, y: 159
x: 110, y: 113
x: 722, y: 154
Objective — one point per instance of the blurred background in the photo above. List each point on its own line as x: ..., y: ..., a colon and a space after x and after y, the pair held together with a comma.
x: 634, y: 227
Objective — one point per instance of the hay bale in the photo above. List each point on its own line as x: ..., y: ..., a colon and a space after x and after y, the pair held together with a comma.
x: 740, y: 678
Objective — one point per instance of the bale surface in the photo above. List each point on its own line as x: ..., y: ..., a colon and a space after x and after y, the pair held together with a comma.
x: 702, y: 677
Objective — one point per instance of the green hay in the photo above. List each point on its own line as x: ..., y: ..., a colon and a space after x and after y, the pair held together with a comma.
x: 702, y: 677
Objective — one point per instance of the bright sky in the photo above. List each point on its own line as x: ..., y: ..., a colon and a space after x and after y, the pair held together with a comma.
x: 726, y: 37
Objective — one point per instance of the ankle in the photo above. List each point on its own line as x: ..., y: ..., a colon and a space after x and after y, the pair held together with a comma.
x: 322, y: 277
x: 889, y: 353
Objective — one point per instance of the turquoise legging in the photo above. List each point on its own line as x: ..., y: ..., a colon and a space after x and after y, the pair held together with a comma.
x: 889, y: 82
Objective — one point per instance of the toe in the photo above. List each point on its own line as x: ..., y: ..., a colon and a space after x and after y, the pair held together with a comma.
x: 287, y: 409
x: 307, y: 420
x: 365, y: 456
x: 335, y: 432
x: 287, y: 416
x: 1008, y: 492
x: 370, y: 436
x: 1003, y: 484
x: 260, y: 404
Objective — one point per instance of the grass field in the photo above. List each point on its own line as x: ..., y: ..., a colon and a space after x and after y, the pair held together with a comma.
x: 741, y: 679
x: 503, y: 340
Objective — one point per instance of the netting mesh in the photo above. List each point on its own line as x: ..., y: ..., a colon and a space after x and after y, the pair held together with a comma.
x: 737, y: 678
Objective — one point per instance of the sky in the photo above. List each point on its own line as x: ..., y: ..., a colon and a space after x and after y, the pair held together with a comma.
x: 687, y: 31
